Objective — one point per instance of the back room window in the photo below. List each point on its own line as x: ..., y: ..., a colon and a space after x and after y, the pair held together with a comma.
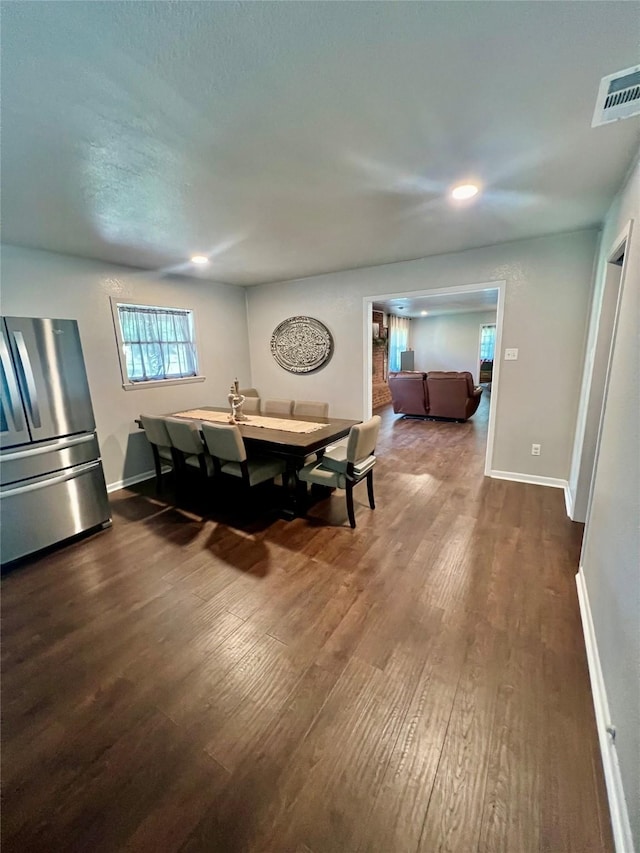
x: 157, y: 343
x: 487, y: 342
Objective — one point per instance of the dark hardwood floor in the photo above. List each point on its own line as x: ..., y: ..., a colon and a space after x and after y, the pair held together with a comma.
x: 186, y: 683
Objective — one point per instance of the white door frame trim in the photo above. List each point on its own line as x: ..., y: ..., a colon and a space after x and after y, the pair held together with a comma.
x: 620, y: 246
x: 367, y: 314
x: 617, y: 246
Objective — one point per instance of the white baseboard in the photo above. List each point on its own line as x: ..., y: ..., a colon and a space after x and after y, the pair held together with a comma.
x: 131, y: 481
x: 568, y: 501
x: 529, y: 478
x: 621, y: 827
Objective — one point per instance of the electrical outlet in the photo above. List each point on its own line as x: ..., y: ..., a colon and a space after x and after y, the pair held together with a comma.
x: 535, y: 449
x: 511, y: 355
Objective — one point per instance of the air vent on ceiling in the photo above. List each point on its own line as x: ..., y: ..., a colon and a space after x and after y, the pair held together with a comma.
x: 618, y: 97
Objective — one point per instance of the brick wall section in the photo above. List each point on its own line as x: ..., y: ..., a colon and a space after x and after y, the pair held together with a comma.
x: 380, y: 390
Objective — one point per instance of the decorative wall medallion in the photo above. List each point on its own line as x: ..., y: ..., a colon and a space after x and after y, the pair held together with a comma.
x: 301, y: 344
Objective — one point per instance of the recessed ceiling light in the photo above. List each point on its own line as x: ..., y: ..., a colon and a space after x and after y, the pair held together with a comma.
x: 424, y: 313
x: 464, y: 191
x: 201, y: 260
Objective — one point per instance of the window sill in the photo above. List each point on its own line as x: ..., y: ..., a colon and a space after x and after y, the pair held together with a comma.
x: 158, y: 383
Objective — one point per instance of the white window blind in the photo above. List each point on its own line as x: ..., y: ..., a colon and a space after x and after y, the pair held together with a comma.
x: 158, y: 343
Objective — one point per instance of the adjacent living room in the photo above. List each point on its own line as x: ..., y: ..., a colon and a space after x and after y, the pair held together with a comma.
x: 433, y: 355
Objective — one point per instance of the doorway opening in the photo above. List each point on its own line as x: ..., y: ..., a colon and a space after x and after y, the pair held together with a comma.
x: 444, y: 328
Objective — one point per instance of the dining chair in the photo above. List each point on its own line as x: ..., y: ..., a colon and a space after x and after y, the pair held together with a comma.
x: 277, y: 406
x: 311, y: 409
x: 343, y: 466
x: 158, y: 437
x: 189, y: 447
x: 249, y: 392
x: 251, y: 406
x: 226, y: 446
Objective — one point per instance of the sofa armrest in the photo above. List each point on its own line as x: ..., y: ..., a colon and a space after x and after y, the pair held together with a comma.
x: 473, y: 402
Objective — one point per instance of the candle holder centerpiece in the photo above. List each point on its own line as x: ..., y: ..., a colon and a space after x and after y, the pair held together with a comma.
x: 236, y: 401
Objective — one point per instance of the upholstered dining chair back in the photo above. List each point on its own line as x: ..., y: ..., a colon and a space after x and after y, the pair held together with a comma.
x: 251, y: 406
x: 185, y: 436
x: 277, y: 406
x: 363, y: 438
x: 249, y: 392
x: 156, y: 430
x: 311, y: 409
x: 158, y: 437
x: 224, y: 442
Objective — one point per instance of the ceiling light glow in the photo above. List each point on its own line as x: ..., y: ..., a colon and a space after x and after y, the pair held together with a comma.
x: 424, y: 313
x: 464, y: 191
x: 201, y: 260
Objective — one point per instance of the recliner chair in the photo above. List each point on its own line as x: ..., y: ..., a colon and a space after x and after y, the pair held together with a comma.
x: 452, y: 394
x: 409, y: 393
x: 437, y: 394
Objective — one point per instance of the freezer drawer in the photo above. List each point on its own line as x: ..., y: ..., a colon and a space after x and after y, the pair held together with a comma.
x: 35, y: 460
x: 40, y: 512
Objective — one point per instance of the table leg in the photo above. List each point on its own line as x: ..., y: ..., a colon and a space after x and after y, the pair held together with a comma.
x: 295, y: 497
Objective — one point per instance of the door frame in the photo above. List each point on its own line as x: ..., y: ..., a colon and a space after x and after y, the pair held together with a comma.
x: 367, y: 319
x: 620, y: 249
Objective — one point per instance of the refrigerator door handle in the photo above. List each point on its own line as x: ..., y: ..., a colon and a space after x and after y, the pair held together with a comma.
x: 27, y: 370
x: 30, y: 452
x: 12, y: 386
x: 71, y: 474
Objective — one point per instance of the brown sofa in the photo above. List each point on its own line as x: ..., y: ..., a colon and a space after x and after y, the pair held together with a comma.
x: 437, y: 394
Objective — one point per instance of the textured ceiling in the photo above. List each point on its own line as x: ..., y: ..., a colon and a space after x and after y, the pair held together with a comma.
x: 443, y: 303
x: 287, y: 139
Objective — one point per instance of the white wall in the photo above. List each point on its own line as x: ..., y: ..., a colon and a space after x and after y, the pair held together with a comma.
x: 547, y: 300
x: 449, y: 341
x: 44, y: 284
x: 611, y: 550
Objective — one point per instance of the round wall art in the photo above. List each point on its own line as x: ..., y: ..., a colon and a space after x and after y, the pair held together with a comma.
x: 301, y: 344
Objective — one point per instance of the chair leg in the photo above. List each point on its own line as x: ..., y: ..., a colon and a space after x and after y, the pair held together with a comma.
x: 372, y: 502
x: 158, y: 467
x: 179, y: 471
x: 203, y: 468
x: 350, y: 512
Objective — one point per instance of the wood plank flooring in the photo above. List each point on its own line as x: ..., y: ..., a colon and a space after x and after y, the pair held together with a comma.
x: 188, y: 681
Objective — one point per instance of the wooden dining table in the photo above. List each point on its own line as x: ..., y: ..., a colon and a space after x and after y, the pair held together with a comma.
x: 293, y: 447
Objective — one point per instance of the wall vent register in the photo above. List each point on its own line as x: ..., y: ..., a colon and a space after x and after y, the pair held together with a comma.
x: 618, y: 97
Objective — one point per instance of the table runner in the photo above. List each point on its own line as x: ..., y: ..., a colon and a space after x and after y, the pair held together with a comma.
x: 252, y: 420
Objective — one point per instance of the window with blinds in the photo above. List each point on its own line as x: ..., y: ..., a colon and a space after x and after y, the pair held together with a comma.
x: 157, y: 343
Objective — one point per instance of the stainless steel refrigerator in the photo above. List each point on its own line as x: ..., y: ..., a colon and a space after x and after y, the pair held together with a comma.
x: 52, y: 484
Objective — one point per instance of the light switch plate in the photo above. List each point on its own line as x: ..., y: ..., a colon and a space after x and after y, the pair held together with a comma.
x: 511, y: 355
